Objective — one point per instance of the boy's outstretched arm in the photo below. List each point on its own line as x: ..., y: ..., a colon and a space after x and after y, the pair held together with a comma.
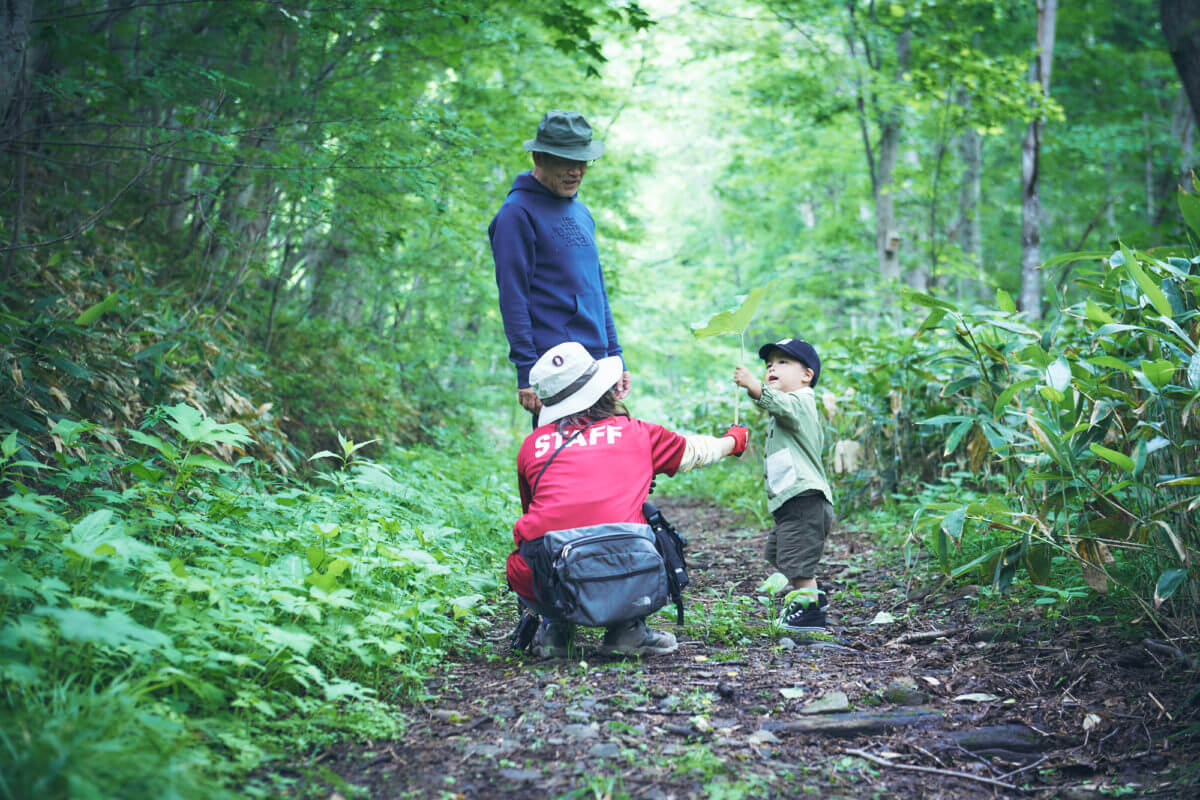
x: 743, y: 377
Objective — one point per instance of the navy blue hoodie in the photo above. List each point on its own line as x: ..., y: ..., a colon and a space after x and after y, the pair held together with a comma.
x: 549, y: 277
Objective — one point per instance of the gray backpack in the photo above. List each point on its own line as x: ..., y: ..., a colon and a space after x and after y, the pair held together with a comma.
x: 606, y: 574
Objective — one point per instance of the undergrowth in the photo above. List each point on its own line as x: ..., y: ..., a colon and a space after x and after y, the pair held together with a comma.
x: 168, y: 623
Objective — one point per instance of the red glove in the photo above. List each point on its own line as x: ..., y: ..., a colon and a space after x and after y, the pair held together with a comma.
x: 740, y: 434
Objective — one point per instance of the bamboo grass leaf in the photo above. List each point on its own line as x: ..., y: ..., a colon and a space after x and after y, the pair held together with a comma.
x: 1168, y: 583
x: 1146, y: 283
x: 1120, y: 459
x: 1189, y: 206
x: 99, y: 309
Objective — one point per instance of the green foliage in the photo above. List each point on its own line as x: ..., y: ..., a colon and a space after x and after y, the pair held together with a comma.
x: 222, y: 617
x: 1088, y: 427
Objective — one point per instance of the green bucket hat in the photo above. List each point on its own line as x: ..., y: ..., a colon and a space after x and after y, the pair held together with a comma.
x: 565, y: 134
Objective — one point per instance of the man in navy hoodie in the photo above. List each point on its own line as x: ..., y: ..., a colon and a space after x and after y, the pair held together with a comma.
x: 547, y: 265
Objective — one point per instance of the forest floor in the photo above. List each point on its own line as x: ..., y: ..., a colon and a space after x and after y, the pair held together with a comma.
x: 1015, y: 708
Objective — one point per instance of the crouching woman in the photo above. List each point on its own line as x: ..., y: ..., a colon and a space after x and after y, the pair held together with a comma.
x: 585, y: 472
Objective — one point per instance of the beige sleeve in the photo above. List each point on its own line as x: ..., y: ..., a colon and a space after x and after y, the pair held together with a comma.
x: 700, y: 451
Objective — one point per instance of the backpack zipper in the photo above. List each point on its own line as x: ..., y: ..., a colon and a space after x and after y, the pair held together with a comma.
x: 566, y: 548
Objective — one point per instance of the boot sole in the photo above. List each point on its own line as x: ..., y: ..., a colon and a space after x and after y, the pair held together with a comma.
x: 638, y: 651
x: 549, y: 655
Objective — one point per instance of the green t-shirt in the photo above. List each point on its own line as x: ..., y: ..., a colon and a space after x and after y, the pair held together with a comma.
x: 792, y: 462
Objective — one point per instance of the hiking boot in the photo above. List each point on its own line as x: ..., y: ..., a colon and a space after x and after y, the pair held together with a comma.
x: 805, y: 617
x: 522, y: 634
x: 553, y: 639
x: 633, y: 638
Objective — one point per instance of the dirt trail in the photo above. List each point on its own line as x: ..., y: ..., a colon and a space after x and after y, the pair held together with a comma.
x: 1016, y: 711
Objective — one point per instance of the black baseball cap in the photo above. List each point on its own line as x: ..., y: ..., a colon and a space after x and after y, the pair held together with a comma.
x: 803, y: 352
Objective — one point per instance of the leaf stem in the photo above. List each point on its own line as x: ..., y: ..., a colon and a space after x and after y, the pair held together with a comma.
x: 737, y: 395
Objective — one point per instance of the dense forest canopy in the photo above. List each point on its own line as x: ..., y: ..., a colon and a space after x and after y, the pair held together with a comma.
x: 237, y: 236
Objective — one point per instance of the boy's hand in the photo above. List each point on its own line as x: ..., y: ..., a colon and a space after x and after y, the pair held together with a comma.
x: 741, y: 436
x: 753, y: 386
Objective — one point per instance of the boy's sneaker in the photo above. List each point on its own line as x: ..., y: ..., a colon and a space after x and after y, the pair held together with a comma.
x: 553, y: 639
x: 805, y: 617
x: 633, y: 638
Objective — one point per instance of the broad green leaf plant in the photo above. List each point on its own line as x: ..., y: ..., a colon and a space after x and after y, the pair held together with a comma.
x: 734, y: 321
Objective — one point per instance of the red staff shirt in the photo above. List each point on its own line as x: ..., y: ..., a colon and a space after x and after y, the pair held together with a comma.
x: 602, y: 476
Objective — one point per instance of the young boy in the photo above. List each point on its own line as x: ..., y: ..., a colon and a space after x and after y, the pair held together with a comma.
x: 798, y: 494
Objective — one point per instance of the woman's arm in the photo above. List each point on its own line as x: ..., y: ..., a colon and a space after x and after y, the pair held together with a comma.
x: 700, y: 451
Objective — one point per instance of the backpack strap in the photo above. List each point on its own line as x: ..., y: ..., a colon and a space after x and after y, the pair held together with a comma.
x: 670, y: 546
x: 567, y: 441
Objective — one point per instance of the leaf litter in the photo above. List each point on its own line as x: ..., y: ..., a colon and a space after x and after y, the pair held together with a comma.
x: 1023, y: 709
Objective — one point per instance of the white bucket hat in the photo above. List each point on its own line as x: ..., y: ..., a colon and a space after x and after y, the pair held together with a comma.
x: 568, y: 380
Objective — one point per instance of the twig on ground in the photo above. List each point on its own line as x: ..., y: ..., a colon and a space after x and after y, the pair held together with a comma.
x: 919, y: 637
x: 1160, y: 705
x: 1019, y: 770
x: 926, y: 753
x: 978, y: 758
x: 948, y: 772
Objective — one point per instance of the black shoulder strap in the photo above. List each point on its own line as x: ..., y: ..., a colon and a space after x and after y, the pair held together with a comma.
x: 567, y: 441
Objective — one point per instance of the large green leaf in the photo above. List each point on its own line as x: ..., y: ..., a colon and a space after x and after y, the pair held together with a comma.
x: 1059, y: 374
x: 952, y: 525
x: 115, y: 629
x: 927, y: 300
x: 933, y: 320
x: 195, y: 427
x: 1039, y: 562
x: 1044, y: 437
x: 733, y: 321
x: 957, y: 434
x: 1097, y: 314
x: 1194, y: 370
x: 1159, y: 371
x: 206, y: 462
x: 1007, y: 395
x: 150, y: 440
x: 1083, y: 255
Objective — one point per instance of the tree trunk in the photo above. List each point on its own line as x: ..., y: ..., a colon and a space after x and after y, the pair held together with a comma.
x: 1031, y: 205
x: 1181, y: 28
x: 1179, y: 168
x: 1187, y: 146
x: 887, y: 235
x: 1151, y: 202
x: 1110, y: 208
x: 14, y: 38
x: 970, y: 238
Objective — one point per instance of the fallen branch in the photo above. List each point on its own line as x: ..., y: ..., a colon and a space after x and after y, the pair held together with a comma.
x: 999, y: 737
x: 916, y: 637
x: 856, y: 723
x: 1169, y: 650
x: 948, y: 772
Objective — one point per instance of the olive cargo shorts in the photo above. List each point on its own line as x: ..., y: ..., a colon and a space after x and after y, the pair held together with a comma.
x: 795, y: 543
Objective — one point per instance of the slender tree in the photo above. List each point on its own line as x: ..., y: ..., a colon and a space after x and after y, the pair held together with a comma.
x: 1181, y: 27
x: 1031, y: 206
